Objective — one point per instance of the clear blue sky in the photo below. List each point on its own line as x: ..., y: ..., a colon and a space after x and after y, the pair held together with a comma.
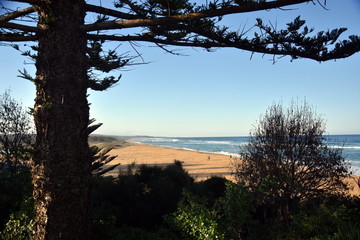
x: 221, y: 93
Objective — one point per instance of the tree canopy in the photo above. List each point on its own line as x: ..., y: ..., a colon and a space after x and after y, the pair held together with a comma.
x: 287, y: 159
x: 15, y: 133
x: 181, y: 23
x: 189, y: 24
x: 69, y: 54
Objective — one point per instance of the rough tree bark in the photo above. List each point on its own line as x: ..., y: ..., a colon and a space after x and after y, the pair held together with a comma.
x: 61, y: 166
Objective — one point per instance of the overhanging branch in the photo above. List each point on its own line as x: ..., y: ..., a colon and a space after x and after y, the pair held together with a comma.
x: 249, y: 7
x: 17, y: 14
x: 17, y: 38
x: 245, y: 44
x: 32, y: 2
x: 19, y: 27
x: 110, y: 12
x: 204, y: 44
x: 134, y: 7
x: 153, y: 40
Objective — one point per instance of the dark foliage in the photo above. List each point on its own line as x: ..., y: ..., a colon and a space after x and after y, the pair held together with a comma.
x: 134, y: 206
x: 14, y: 189
x: 105, y: 62
x: 212, y: 188
x: 70, y: 60
x: 20, y: 226
x: 336, y: 217
x: 15, y: 134
x: 287, y: 160
x: 140, y: 198
x: 331, y: 217
x: 100, y: 157
x: 131, y: 233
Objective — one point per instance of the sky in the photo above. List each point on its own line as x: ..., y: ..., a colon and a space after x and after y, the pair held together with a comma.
x: 220, y: 93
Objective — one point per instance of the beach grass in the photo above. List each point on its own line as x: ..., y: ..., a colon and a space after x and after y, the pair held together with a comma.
x: 108, y: 142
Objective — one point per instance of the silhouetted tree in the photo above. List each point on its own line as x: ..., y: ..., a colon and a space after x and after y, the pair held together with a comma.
x: 15, y: 133
x: 287, y: 159
x: 68, y: 59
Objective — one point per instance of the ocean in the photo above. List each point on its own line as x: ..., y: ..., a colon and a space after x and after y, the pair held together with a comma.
x: 231, y: 145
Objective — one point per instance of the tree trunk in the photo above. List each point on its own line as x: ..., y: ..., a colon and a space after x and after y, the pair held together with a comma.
x: 61, y: 166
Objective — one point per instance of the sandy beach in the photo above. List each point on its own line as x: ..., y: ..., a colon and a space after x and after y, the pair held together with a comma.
x: 199, y: 165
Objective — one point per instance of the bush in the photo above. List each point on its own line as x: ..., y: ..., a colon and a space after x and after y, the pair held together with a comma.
x: 195, y: 220
x: 336, y: 218
x: 287, y: 160
x: 15, y: 134
x: 236, y: 210
x: 21, y: 224
x: 130, y: 233
x: 212, y: 189
x: 140, y: 198
x: 14, y: 188
x: 229, y: 217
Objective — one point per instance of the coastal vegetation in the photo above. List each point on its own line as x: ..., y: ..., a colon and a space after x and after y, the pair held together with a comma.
x: 146, y: 202
x: 287, y: 160
x: 102, y: 141
x: 151, y: 202
x: 16, y: 133
x: 69, y: 57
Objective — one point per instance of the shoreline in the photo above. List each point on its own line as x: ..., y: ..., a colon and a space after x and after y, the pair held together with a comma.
x: 231, y: 146
x: 234, y: 155
x: 200, y: 165
x: 229, y: 154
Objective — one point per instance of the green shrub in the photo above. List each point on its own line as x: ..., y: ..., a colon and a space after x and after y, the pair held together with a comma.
x: 20, y: 227
x: 195, y: 220
x: 21, y: 224
x: 130, y: 233
x: 140, y: 197
x: 212, y: 188
x: 229, y: 217
x: 335, y: 220
x: 104, y: 228
x: 14, y: 188
x: 235, y: 206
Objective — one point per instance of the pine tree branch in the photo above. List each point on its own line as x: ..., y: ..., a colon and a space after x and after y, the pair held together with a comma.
x: 19, y: 27
x: 202, y: 44
x: 148, y: 38
x: 32, y: 2
x: 341, y: 50
x: 17, y: 14
x: 249, y: 7
x: 110, y: 12
x: 134, y: 7
x: 17, y: 38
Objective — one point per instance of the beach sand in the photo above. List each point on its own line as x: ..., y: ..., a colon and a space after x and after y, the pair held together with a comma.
x: 199, y: 165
